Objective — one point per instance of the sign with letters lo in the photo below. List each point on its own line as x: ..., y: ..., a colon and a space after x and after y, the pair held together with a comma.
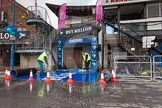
x: 4, y: 36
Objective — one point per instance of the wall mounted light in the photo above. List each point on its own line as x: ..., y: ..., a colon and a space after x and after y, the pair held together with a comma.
x: 7, y: 51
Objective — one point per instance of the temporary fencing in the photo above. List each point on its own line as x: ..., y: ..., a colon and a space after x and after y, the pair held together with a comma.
x: 157, y: 68
x: 133, y: 68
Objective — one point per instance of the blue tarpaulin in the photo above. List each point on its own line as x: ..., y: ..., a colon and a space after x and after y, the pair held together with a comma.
x: 78, y: 75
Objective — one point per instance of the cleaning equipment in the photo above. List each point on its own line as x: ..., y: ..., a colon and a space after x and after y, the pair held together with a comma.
x: 102, y: 80
x: 8, y: 75
x: 6, y: 72
x: 48, y: 79
x: 70, y: 80
x: 31, y: 76
x: 113, y: 78
x: 107, y: 75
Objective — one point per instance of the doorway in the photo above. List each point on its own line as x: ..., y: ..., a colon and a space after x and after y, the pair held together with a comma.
x: 72, y: 57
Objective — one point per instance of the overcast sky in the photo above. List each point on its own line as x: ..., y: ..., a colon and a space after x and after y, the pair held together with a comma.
x: 53, y: 19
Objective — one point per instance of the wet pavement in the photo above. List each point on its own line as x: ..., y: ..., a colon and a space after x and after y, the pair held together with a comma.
x: 58, y: 94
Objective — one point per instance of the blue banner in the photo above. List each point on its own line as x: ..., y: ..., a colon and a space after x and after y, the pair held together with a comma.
x: 63, y: 41
x: 83, y: 40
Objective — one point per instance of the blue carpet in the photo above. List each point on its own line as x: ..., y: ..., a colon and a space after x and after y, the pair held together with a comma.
x: 77, y: 75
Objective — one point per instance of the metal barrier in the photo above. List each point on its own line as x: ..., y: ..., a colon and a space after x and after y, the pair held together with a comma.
x: 133, y: 68
x: 157, y: 68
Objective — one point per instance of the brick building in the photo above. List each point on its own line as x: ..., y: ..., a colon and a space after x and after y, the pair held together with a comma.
x: 37, y: 37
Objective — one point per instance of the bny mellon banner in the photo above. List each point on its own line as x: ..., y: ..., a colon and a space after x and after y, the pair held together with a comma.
x: 98, y: 11
x: 62, y: 16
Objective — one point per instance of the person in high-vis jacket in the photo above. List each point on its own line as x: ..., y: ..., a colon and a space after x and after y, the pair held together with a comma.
x: 41, y: 59
x: 86, y: 59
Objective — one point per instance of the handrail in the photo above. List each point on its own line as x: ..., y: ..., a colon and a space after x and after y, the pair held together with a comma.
x: 41, y: 13
x: 137, y: 39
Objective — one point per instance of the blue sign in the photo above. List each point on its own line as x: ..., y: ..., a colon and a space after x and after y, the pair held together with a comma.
x: 93, y: 47
x: 94, y: 56
x: 94, y: 39
x: 59, y: 42
x: 75, y: 40
x: 59, y: 64
x: 69, y: 41
x: 93, y: 64
x: 11, y: 30
x: 59, y: 49
x: 59, y: 56
x: 93, y: 52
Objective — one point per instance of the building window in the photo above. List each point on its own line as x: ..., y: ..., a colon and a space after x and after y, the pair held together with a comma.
x: 110, y: 30
x: 3, y: 17
x: 153, y: 10
x: 21, y: 29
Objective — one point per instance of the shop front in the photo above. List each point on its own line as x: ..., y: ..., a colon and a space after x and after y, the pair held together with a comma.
x: 5, y: 51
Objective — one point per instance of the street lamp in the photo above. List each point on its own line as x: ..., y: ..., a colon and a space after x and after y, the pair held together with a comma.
x: 13, y: 41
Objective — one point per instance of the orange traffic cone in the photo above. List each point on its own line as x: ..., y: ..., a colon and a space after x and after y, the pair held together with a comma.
x: 102, y: 80
x: 6, y: 72
x: 8, y: 77
x: 70, y: 80
x: 31, y: 76
x: 48, y: 79
x: 113, y: 78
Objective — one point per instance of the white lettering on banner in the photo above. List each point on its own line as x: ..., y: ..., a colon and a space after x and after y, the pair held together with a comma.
x: 122, y: 1
x: 69, y: 31
x: 80, y: 30
x: 4, y: 36
x: 75, y: 40
x: 118, y: 1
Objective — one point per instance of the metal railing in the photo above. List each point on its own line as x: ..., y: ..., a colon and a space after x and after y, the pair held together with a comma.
x: 37, y: 12
x: 39, y: 38
x: 136, y: 39
x: 38, y: 15
x: 134, y: 27
x: 157, y: 67
x: 134, y: 68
